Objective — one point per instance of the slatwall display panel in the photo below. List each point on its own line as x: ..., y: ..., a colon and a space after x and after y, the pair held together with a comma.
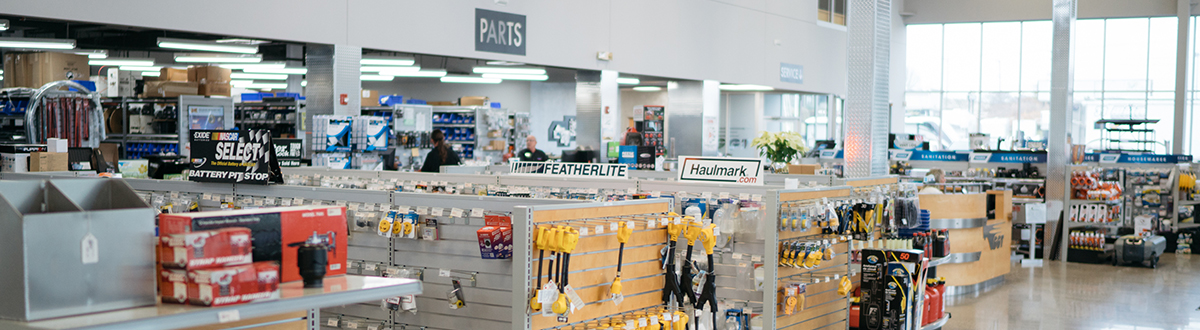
x: 735, y: 277
x: 488, y: 298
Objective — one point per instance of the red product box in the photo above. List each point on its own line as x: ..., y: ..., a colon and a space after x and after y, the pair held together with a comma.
x: 272, y: 229
x: 497, y: 221
x: 233, y: 285
x: 495, y: 242
x: 205, y: 249
x: 172, y: 285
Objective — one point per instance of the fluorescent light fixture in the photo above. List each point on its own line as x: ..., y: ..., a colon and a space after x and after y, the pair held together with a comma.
x: 375, y: 77
x: 207, y: 46
x: 647, y: 88
x: 240, y: 83
x: 470, y: 80
x: 241, y: 41
x: 262, y: 65
x: 304, y: 83
x: 746, y: 88
x: 36, y: 43
x: 393, y: 70
x: 3, y: 24
x: 263, y: 76
x: 217, y: 58
x: 534, y: 77
x: 506, y: 63
x: 1, y: 71
x: 141, y: 68
x: 151, y: 73
x: 628, y: 81
x: 389, y: 61
x: 90, y: 53
x: 117, y: 61
x: 259, y: 85
x: 277, y: 70
x: 508, y: 70
x: 431, y: 73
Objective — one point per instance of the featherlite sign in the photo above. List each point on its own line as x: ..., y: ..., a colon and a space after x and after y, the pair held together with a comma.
x: 746, y: 171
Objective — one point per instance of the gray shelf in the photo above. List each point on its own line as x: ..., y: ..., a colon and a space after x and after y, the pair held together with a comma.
x: 338, y: 291
x: 937, y: 324
x: 454, y: 125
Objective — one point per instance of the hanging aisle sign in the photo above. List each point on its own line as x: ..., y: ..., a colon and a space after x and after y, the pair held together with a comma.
x: 245, y: 156
x: 499, y: 32
x: 748, y: 171
x: 574, y: 170
x: 1114, y: 158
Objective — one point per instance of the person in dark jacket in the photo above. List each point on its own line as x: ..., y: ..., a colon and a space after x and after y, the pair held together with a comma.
x: 531, y: 153
x: 441, y: 154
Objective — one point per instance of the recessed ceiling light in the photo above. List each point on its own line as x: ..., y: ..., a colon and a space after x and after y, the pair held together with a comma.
x: 151, y: 73
x: 140, y: 68
x: 428, y: 73
x: 207, y: 46
x: 277, y: 70
x: 375, y: 77
x: 504, y: 63
x: 393, y: 70
x: 261, y: 65
x: 647, y: 88
x: 746, y: 88
x: 262, y: 76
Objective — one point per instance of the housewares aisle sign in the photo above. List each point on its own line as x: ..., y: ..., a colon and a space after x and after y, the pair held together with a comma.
x: 499, y: 32
x: 574, y: 170
x: 746, y: 171
x: 246, y: 156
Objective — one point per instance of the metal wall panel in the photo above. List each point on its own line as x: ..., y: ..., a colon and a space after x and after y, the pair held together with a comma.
x: 332, y: 70
x: 1062, y: 111
x: 866, y: 112
x: 685, y: 118
x: 587, y: 110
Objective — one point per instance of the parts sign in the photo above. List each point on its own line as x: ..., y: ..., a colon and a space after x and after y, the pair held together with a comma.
x: 746, y: 171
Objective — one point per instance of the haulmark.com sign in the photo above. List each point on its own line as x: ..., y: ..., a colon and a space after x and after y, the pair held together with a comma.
x: 746, y: 171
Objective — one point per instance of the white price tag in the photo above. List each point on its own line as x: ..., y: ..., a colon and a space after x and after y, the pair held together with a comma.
x: 744, y: 196
x: 706, y: 195
x: 444, y: 272
x: 642, y: 322
x: 599, y: 229
x: 653, y: 319
x: 476, y: 213
x: 655, y: 193
x: 174, y: 195
x: 372, y: 327
x: 456, y: 212
x: 678, y: 221
x: 613, y: 226
x: 437, y: 211
x: 370, y: 267
x: 297, y: 201
x: 723, y: 195
x: 332, y: 323
x: 89, y: 249
x: 339, y: 203
x: 206, y: 196
x: 736, y: 256
x: 755, y: 258
x: 583, y: 231
x: 353, y: 206
x: 229, y: 316
x: 422, y: 210
x: 717, y: 231
x: 650, y: 224
x: 756, y: 197
x: 258, y: 202
x: 632, y: 191
x: 385, y: 207
x: 351, y: 325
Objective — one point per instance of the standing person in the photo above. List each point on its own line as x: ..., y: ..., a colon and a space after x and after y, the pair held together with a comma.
x: 441, y: 154
x: 531, y: 153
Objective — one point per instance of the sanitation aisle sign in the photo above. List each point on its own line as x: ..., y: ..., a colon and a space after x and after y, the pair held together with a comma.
x: 746, y: 171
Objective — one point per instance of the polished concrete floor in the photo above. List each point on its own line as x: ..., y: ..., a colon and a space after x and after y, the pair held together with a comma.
x: 1083, y: 296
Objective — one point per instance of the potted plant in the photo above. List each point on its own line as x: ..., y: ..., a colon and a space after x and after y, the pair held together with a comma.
x: 780, y: 148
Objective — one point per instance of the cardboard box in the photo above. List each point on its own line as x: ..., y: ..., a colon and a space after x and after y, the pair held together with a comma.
x: 207, y: 74
x: 170, y: 88
x: 14, y: 158
x: 370, y: 98
x: 47, y: 161
x: 272, y: 229
x: 172, y: 285
x: 440, y: 103
x: 233, y: 285
x: 205, y: 249
x: 803, y: 169
x: 172, y: 74
x: 215, y: 89
x: 495, y: 239
x: 56, y: 145
x: 36, y: 69
x: 473, y: 100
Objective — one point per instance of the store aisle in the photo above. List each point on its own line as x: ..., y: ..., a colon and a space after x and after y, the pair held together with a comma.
x: 1084, y: 296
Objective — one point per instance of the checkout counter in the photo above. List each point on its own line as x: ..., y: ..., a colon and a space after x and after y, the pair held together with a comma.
x: 979, y: 225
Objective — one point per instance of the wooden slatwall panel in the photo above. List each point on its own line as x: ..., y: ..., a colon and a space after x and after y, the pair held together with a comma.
x: 823, y: 306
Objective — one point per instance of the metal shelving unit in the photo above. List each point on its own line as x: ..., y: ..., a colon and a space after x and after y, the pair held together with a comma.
x: 1127, y: 135
x: 285, y: 119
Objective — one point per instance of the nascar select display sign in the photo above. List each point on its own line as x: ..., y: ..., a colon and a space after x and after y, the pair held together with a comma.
x: 747, y: 171
x: 577, y: 170
x: 245, y: 156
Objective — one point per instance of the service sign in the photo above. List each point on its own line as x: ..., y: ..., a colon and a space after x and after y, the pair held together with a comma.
x: 288, y: 151
x: 748, y: 171
x: 245, y: 156
x: 499, y: 32
x: 574, y: 170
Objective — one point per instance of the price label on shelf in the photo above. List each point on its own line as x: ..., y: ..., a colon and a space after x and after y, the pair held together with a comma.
x: 437, y: 211
x: 174, y: 195
x: 339, y: 203
x: 477, y: 213
x: 736, y: 256
x: 422, y: 210
x: 630, y: 224
x: 599, y: 229
x: 744, y: 196
x: 613, y: 226
x: 756, y: 197
x: 723, y: 195
x: 583, y: 231
x: 655, y: 193
x: 456, y: 212
x: 229, y: 316
x: 351, y: 325
x: 755, y: 258
x: 206, y: 196
x: 370, y: 267
x: 632, y: 191
x: 332, y: 323
x: 650, y: 224
x: 297, y: 201
x: 706, y: 195
x: 444, y: 272
x: 353, y: 206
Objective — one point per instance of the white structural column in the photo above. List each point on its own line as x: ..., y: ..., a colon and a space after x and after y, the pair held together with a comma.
x: 1183, y: 64
x: 1062, y: 75
x: 866, y: 112
x: 711, y: 113
x: 610, y: 111
x: 333, y: 75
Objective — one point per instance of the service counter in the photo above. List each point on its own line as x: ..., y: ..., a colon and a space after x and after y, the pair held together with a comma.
x: 978, y: 225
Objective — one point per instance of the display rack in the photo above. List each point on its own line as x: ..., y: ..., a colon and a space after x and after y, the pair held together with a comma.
x: 284, y: 118
x: 598, y: 256
x: 1127, y: 135
x: 824, y: 307
x: 156, y: 130
x: 74, y: 115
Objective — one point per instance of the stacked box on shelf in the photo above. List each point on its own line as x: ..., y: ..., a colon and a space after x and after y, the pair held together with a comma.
x: 370, y: 133
x: 332, y: 133
x: 141, y: 149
